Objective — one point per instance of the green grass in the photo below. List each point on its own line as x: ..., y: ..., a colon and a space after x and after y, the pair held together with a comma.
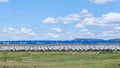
x: 104, y: 59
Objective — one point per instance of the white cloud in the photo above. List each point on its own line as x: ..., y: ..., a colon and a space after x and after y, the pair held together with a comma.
x: 87, y: 18
x: 49, y: 20
x: 11, y: 33
x: 5, y: 1
x: 56, y: 29
x: 69, y: 18
x: 102, y: 1
x: 110, y: 34
x: 86, y: 32
x: 107, y: 33
x: 117, y: 28
x: 89, y: 21
x: 79, y: 26
x: 89, y: 25
x: 109, y: 19
x: 83, y: 33
x: 53, y: 35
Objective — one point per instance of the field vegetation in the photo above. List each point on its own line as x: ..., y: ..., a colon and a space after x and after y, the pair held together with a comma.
x: 88, y: 59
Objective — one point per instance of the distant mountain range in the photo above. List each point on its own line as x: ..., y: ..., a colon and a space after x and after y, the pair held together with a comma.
x: 86, y: 39
x: 94, y: 39
x: 115, y: 39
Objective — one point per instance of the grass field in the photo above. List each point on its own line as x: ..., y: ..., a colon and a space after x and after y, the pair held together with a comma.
x: 102, y: 59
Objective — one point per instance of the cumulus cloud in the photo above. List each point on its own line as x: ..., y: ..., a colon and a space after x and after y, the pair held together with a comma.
x: 5, y: 1
x: 79, y: 26
x: 83, y: 33
x: 117, y: 28
x: 89, y: 25
x: 69, y: 18
x: 49, y: 20
x: 110, y: 34
x: 11, y: 33
x: 108, y: 19
x: 86, y: 25
x: 53, y: 36
x: 56, y: 29
x: 102, y: 1
x: 86, y: 32
x: 107, y: 33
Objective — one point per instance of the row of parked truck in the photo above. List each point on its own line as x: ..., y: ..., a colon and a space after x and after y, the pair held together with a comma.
x: 62, y: 47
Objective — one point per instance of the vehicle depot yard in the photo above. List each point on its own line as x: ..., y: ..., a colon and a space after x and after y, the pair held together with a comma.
x: 82, y: 59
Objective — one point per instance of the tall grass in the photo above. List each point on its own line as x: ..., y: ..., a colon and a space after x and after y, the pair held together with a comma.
x: 101, y: 59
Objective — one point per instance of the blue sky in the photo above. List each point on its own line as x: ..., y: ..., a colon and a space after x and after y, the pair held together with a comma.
x: 59, y: 19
